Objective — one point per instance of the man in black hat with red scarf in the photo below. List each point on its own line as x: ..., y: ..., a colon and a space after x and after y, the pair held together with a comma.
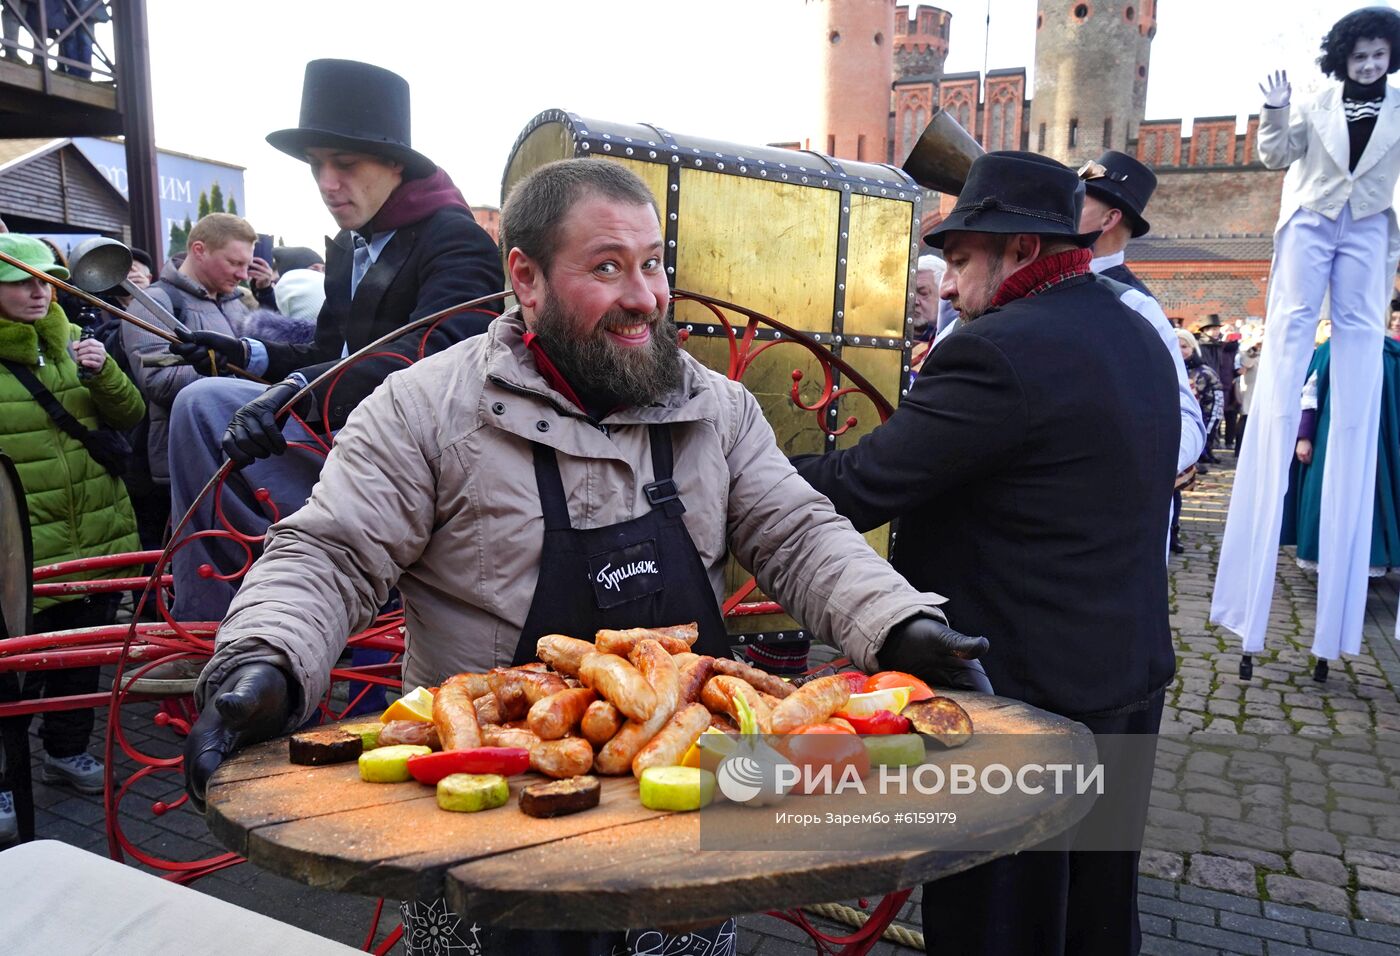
x: 408, y: 247
x: 1030, y: 467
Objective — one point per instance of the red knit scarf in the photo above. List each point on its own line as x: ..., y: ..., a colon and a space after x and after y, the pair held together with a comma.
x: 550, y: 371
x: 1042, y: 274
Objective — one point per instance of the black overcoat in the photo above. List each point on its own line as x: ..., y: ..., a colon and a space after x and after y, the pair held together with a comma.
x: 440, y: 261
x: 1031, y: 470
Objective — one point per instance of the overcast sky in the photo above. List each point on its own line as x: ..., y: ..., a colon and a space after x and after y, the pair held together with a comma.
x: 226, y: 74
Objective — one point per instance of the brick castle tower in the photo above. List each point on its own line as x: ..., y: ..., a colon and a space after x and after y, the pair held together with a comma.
x: 857, y: 61
x: 1090, y: 76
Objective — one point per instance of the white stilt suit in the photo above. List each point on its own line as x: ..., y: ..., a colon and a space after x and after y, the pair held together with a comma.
x: 1336, y: 233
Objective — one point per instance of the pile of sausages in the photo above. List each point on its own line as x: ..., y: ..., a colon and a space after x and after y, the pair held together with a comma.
x: 629, y: 699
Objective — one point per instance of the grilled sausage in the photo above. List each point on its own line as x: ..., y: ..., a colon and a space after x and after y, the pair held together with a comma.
x: 689, y: 633
x: 718, y: 695
x: 621, y: 683
x: 622, y: 642
x: 569, y: 757
x: 694, y: 674
x: 508, y: 737
x: 418, y: 732
x: 455, y: 717
x: 762, y: 680
x: 670, y: 744
x: 811, y: 703
x: 601, y: 721
x: 664, y: 680
x: 487, y: 711
x: 477, y: 684
x: 554, y: 716
x: 564, y: 654
x: 539, y: 685
x: 516, y: 689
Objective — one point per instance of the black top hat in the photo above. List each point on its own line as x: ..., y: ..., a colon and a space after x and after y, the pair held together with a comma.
x: 357, y: 107
x: 1011, y: 192
x: 1123, y: 182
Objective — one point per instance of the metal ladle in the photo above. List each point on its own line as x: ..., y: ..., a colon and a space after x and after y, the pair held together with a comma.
x: 100, y: 264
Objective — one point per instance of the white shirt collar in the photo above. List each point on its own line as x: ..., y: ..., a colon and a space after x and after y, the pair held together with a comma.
x: 1101, y: 263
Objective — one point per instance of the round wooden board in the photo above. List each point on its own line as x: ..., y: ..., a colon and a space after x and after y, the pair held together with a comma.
x: 620, y: 865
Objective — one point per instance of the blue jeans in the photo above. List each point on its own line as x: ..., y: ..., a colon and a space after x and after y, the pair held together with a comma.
x: 198, y: 419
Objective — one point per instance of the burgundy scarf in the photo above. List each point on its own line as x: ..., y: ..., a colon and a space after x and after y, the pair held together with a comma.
x: 1042, y: 274
x: 414, y: 200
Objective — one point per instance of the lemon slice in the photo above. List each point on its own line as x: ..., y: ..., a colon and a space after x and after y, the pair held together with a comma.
x: 417, y: 704
x: 712, y: 747
x: 893, y: 699
x: 676, y: 788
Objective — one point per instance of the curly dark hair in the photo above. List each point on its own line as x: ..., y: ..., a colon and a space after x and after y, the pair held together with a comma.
x: 1368, y: 23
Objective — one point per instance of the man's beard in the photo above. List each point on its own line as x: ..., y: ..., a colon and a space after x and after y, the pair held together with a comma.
x: 989, y: 291
x: 601, y: 370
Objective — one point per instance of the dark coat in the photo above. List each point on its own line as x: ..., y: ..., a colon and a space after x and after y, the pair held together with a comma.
x: 427, y: 266
x: 1127, y: 276
x: 1031, y: 468
x: 1221, y: 357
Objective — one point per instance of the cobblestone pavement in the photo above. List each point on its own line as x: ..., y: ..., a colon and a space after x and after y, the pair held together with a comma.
x: 1275, y: 822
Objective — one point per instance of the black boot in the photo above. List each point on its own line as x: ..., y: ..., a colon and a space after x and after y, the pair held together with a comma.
x: 1246, y: 667
x: 1320, y: 671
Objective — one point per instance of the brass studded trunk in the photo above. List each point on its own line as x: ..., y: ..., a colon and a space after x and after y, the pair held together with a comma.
x: 824, y: 246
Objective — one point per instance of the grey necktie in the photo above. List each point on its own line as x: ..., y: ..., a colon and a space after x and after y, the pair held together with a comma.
x: 361, y: 263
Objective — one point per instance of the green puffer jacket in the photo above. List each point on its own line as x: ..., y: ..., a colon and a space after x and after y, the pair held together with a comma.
x: 76, y: 509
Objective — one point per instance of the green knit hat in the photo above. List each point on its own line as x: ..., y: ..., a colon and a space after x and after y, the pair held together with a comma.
x: 31, y: 252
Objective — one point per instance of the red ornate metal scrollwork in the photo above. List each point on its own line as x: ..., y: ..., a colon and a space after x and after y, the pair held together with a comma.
x: 137, y: 648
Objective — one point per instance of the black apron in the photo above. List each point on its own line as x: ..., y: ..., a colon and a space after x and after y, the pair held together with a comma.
x: 639, y: 573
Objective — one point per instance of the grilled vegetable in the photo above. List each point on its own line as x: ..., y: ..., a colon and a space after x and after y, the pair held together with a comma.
x: 505, y: 761
x: 560, y: 797
x: 469, y: 792
x: 895, y: 750
x: 677, y: 788
x: 325, y: 745
x: 388, y: 764
x: 942, y: 719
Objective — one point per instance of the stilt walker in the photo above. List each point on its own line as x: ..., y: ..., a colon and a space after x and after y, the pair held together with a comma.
x: 1336, y: 235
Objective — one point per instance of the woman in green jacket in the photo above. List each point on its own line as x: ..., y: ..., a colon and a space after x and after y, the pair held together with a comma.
x: 77, y: 509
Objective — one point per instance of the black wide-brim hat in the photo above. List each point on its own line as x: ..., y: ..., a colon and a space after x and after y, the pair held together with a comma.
x: 357, y: 107
x: 1121, y: 181
x: 1009, y: 192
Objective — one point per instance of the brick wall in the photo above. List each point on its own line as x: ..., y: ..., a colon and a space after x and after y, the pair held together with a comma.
x: 1215, y: 201
x: 1193, y: 290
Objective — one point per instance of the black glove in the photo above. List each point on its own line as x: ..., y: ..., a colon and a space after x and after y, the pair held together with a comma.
x: 935, y: 653
x: 254, y: 431
x: 196, y: 347
x: 252, y: 704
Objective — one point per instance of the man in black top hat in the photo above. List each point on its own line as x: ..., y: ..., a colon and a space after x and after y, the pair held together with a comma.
x: 1116, y: 190
x: 408, y: 247
x: 1030, y: 467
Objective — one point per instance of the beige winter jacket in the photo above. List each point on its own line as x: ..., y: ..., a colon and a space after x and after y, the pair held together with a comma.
x: 431, y: 486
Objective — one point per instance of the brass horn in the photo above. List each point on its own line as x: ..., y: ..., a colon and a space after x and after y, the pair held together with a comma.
x: 943, y: 155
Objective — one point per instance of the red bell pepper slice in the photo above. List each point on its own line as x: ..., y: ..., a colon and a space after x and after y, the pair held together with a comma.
x: 880, y: 722
x: 506, y: 761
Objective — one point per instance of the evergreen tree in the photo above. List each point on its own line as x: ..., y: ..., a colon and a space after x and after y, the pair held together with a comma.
x: 203, y: 204
x: 232, y: 205
x: 216, y: 198
x: 179, y: 237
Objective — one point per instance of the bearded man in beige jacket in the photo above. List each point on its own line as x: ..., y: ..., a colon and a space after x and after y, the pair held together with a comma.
x: 569, y: 470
